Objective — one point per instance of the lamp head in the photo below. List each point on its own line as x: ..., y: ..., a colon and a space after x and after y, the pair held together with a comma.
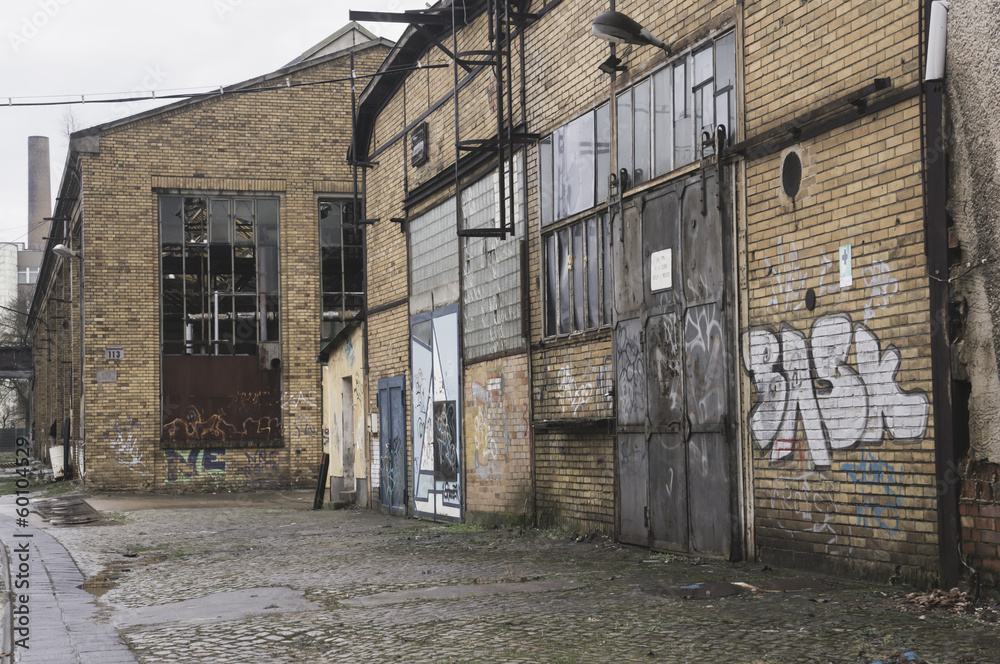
x: 620, y: 29
x: 63, y: 251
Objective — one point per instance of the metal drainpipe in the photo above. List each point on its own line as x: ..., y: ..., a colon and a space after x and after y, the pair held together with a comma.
x: 83, y: 394
x: 936, y: 238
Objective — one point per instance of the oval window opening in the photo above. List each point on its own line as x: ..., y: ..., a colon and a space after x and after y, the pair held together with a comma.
x: 791, y: 174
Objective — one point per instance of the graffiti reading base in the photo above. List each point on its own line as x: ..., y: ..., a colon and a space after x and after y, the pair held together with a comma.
x: 809, y: 380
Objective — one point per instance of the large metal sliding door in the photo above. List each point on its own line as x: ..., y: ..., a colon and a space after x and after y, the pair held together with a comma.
x: 675, y: 367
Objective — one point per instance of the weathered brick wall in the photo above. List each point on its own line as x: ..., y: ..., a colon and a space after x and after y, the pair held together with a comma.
x: 57, y: 359
x: 286, y: 143
x: 800, y: 55
x: 496, y: 456
x: 573, y: 379
x: 498, y: 440
x: 574, y: 479
x: 840, y: 422
x: 345, y: 362
x: 979, y: 507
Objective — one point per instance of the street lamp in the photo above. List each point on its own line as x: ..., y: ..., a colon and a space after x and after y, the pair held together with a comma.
x: 620, y: 29
x: 63, y: 251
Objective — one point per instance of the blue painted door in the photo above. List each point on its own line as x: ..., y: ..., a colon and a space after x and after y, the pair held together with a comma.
x: 392, y: 445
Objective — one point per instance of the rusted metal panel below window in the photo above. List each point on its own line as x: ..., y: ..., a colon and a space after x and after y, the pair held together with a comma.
x: 210, y: 399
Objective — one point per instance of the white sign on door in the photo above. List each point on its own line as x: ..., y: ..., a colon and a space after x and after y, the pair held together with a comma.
x: 661, y: 270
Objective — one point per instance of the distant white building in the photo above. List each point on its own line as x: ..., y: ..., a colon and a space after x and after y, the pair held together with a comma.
x: 8, y: 272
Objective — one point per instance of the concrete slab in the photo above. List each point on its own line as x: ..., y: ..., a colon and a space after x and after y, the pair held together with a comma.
x: 63, y: 625
x: 218, y: 607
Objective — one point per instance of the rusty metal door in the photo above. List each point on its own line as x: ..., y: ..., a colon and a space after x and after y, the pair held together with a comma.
x: 392, y: 445
x: 675, y: 369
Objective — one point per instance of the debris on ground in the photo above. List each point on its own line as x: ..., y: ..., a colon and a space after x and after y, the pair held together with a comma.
x: 908, y: 657
x: 954, y: 601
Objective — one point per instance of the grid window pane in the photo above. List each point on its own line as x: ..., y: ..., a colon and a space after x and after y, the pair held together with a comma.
x: 642, y: 130
x: 663, y: 128
x: 624, y: 110
x: 208, y: 255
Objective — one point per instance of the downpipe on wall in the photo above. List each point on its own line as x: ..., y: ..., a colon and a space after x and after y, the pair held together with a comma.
x: 936, y: 238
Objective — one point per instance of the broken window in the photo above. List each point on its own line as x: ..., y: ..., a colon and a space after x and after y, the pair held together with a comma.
x: 577, y: 287
x: 342, y: 265
x: 221, y: 378
x: 219, y: 274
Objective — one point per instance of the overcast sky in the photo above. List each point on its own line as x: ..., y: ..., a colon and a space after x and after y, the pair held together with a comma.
x: 58, y: 49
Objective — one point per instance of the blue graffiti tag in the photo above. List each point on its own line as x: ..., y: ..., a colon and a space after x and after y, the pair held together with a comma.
x: 878, y: 499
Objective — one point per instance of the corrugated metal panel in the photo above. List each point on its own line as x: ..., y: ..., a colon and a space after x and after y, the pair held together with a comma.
x: 491, y: 303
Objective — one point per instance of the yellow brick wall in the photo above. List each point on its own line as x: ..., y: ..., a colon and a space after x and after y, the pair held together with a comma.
x: 575, y: 479
x: 498, y: 438
x: 287, y: 143
x: 851, y: 486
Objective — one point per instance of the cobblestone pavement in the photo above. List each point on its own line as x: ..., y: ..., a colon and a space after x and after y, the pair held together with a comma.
x: 247, y: 580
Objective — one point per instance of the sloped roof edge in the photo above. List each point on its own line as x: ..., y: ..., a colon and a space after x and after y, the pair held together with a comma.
x: 353, y: 25
x: 275, y: 75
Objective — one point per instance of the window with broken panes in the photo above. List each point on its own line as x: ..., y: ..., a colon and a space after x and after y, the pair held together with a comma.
x: 662, y: 119
x: 577, y: 276
x: 574, y: 168
x: 219, y: 274
x: 342, y: 264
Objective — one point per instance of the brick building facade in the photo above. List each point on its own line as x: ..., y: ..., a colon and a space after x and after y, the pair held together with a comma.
x: 201, y: 268
x: 726, y: 332
x: 694, y: 297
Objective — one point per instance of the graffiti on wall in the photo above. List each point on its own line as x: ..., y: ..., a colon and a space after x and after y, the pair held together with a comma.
x: 304, y: 425
x: 300, y: 399
x: 878, y: 488
x: 808, y: 380
x: 186, y: 465
x: 631, y: 383
x: 581, y: 388
x: 262, y: 470
x: 786, y: 280
x: 195, y: 425
x: 705, y: 359
x: 880, y: 286
x: 123, y: 437
x: 805, y: 503
x: 497, y: 421
x: 219, y: 398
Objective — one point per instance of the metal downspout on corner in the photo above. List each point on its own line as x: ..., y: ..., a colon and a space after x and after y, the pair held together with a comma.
x: 936, y: 239
x: 7, y: 638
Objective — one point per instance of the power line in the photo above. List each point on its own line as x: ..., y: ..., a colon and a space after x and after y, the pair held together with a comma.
x: 216, y: 92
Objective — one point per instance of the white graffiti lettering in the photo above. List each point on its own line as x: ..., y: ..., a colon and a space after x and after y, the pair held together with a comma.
x: 838, y: 405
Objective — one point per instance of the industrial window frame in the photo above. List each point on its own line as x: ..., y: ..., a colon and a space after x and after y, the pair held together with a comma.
x: 341, y: 254
x: 204, y: 237
x: 676, y: 99
x: 577, y: 279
